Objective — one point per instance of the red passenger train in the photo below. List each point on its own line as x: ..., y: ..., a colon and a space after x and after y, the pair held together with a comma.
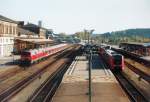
x: 30, y: 56
x: 114, y: 60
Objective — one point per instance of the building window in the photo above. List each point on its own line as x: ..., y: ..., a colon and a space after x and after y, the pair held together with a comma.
x: 6, y: 29
x: 14, y: 30
x: 18, y: 33
x: 10, y: 30
x: 3, y: 40
x: 0, y: 28
x: 11, y: 40
x: 6, y: 40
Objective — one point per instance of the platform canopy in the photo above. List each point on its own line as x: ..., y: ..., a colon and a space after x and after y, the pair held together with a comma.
x: 36, y: 41
x: 137, y: 44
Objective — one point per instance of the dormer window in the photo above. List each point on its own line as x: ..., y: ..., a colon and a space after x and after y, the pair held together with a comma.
x: 19, y: 34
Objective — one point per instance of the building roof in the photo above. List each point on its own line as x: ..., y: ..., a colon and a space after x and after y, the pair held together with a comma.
x: 33, y: 25
x: 25, y: 31
x: 138, y: 44
x: 7, y: 19
x: 36, y: 41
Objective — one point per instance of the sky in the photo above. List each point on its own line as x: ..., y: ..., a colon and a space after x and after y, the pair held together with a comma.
x: 71, y: 16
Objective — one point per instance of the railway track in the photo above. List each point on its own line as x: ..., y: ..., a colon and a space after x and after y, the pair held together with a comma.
x: 49, y: 87
x: 47, y: 90
x: 105, y: 67
x: 143, y: 75
x: 9, y: 73
x: 72, y: 66
x: 15, y: 88
x: 12, y: 72
x: 136, y: 58
x: 134, y: 94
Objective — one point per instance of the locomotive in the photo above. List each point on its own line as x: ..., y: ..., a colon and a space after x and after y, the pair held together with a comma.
x: 34, y: 55
x: 114, y: 60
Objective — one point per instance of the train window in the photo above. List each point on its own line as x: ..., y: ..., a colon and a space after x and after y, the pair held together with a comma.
x: 25, y: 53
x: 113, y: 53
x: 117, y: 59
x: 107, y: 47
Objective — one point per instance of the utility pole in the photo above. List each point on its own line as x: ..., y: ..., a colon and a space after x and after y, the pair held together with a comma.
x: 90, y: 82
x: 85, y: 35
x: 90, y: 65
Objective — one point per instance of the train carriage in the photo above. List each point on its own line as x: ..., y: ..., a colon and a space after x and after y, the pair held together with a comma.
x: 31, y: 56
x: 114, y: 60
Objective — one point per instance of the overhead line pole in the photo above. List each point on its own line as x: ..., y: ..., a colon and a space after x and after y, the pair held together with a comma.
x: 90, y: 81
x: 90, y: 66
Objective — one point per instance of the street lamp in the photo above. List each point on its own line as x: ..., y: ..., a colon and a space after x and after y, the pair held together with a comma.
x: 89, y: 32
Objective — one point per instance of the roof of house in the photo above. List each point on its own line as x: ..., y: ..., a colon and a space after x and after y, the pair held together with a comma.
x: 7, y: 19
x: 33, y: 25
x: 25, y: 31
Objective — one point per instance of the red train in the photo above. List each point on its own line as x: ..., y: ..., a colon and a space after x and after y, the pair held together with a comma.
x: 31, y: 56
x: 114, y: 60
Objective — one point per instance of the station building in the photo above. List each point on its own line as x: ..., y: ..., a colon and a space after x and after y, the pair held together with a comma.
x: 30, y: 36
x: 16, y: 37
x: 8, y: 31
x: 142, y: 49
x: 37, y: 29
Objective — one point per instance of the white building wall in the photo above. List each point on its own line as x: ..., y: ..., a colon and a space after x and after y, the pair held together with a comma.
x: 1, y: 50
x: 8, y: 31
x: 6, y: 46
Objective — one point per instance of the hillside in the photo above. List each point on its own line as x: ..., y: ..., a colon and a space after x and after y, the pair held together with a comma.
x: 129, y: 35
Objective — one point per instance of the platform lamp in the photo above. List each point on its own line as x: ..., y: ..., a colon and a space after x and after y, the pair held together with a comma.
x: 89, y: 32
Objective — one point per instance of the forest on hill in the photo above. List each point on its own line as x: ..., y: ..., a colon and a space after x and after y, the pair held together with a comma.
x: 115, y: 37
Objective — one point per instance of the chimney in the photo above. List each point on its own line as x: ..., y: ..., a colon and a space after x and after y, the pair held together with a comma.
x: 40, y: 23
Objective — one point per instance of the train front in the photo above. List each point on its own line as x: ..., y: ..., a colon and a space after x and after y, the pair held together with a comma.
x: 118, y: 62
x: 25, y: 58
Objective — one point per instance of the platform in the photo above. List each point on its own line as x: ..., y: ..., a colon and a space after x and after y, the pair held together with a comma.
x: 146, y: 58
x: 74, y: 86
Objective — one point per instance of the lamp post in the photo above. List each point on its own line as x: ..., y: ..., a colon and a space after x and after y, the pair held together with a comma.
x: 89, y: 32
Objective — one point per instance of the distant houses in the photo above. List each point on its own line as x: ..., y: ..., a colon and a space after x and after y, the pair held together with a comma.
x: 15, y: 36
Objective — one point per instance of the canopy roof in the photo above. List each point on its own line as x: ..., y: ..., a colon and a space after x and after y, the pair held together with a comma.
x: 138, y: 44
x: 36, y: 41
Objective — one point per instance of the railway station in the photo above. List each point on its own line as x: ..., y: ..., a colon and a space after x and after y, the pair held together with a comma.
x: 55, y: 51
x: 142, y: 49
x: 76, y: 73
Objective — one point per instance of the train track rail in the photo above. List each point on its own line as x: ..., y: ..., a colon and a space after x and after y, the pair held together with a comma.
x: 47, y: 90
x: 105, y: 67
x: 49, y: 87
x: 72, y: 66
x: 9, y: 73
x: 12, y: 72
x: 143, y: 75
x: 134, y: 94
x: 15, y: 88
